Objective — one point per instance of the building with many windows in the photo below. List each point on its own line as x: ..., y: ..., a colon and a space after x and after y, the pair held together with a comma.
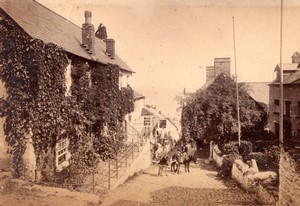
x: 291, y: 96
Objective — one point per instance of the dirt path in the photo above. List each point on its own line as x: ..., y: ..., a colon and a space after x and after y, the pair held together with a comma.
x: 199, y: 187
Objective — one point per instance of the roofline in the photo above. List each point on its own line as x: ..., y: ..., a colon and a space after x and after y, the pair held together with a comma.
x: 138, y: 98
x: 92, y: 57
x: 56, y: 13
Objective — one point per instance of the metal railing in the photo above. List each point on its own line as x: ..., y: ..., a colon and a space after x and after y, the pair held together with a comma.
x: 110, y: 171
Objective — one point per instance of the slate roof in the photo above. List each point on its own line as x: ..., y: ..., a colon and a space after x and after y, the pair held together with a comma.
x: 137, y: 95
x: 146, y: 112
x: 288, y: 67
x: 259, y: 91
x: 293, y: 78
x: 42, y: 23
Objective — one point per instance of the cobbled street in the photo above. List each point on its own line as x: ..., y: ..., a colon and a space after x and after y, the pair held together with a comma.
x: 199, y: 187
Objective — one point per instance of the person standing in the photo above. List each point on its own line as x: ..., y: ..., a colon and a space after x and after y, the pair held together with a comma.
x: 178, y: 160
x: 162, y: 165
x: 185, y: 160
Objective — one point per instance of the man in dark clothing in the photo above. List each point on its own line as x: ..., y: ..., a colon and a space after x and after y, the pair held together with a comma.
x: 162, y: 165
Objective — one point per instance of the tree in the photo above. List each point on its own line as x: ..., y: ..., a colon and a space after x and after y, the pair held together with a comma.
x: 212, y: 115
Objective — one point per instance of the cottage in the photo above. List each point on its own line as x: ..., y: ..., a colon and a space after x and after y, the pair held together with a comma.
x: 49, y: 56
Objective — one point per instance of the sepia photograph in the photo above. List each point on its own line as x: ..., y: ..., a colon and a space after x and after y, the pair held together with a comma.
x: 149, y: 102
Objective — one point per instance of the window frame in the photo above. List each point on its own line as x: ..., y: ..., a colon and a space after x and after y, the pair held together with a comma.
x: 61, y: 149
x: 147, y: 121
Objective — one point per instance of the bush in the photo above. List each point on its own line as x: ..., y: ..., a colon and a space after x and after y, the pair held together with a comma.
x: 272, y: 156
x: 228, y: 161
x: 261, y: 145
x: 244, y: 149
x: 256, y: 135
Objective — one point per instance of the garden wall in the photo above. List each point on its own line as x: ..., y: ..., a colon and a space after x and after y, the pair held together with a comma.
x: 250, y: 179
x: 238, y: 173
x: 289, y: 176
x: 217, y: 156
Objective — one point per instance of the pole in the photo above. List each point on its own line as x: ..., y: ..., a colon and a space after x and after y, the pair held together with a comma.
x: 93, y: 181
x: 117, y: 167
x: 237, y: 88
x: 281, y: 82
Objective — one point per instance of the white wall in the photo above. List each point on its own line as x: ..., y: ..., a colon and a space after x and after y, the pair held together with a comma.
x: 4, y: 157
x: 124, y: 78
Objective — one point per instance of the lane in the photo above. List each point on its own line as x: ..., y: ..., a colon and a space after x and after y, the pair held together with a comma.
x: 200, y: 186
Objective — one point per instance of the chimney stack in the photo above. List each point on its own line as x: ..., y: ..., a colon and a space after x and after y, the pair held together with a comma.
x: 222, y: 65
x: 88, y: 38
x: 210, y: 73
x: 110, y: 48
x: 296, y: 57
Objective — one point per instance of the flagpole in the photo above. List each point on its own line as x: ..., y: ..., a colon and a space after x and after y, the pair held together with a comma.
x: 237, y: 88
x: 281, y: 82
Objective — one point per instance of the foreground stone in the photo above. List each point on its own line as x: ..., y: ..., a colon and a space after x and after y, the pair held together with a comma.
x: 15, y: 192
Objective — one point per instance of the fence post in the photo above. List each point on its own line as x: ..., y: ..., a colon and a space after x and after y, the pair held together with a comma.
x: 93, y: 181
x: 117, y: 167
x: 109, y: 174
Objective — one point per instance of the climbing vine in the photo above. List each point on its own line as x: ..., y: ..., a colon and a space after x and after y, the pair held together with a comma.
x: 33, y: 74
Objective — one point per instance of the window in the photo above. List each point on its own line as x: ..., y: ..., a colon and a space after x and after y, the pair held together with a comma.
x: 147, y: 121
x: 162, y: 123
x: 62, y: 149
x: 287, y: 108
x: 276, y: 106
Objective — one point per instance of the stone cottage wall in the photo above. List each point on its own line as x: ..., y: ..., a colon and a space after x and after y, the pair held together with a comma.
x: 289, y: 176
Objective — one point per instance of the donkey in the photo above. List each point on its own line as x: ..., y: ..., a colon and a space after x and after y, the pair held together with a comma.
x: 187, y: 161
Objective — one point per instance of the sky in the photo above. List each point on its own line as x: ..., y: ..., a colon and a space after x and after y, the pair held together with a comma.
x: 169, y: 43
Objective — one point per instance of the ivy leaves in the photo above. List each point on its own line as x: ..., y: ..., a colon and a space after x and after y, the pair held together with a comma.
x: 33, y: 73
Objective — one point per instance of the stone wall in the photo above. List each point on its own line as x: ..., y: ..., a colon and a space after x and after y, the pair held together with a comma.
x: 258, y: 183
x: 289, y: 176
x: 238, y: 173
x: 217, y: 156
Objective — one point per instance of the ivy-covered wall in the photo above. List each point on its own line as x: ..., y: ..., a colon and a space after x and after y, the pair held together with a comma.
x: 33, y: 73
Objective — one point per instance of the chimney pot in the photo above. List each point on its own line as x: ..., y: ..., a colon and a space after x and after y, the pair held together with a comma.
x: 296, y: 57
x: 88, y: 17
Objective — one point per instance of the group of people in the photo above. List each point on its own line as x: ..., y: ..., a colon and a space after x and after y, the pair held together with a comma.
x: 181, y: 156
